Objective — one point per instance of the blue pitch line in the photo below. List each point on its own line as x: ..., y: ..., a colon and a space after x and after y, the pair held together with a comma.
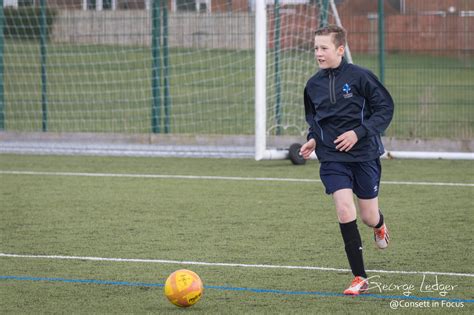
x: 223, y: 288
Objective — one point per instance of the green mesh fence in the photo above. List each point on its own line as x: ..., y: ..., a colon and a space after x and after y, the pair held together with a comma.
x: 82, y: 68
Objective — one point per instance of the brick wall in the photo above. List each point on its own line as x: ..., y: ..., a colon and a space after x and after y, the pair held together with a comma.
x: 434, y: 34
x: 410, y: 33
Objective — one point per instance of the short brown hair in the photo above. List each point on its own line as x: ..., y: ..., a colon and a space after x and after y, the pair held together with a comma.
x: 339, y: 32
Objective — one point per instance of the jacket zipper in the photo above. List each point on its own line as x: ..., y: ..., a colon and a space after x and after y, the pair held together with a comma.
x: 332, y: 87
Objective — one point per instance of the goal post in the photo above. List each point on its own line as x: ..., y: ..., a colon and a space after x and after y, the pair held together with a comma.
x: 260, y: 80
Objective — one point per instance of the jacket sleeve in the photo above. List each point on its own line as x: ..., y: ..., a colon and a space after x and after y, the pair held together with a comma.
x: 379, y: 104
x: 309, y: 115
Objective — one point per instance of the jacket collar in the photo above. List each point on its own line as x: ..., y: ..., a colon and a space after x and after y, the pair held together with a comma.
x: 338, y: 69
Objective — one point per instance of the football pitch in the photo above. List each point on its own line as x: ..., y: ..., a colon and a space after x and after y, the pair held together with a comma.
x: 101, y: 235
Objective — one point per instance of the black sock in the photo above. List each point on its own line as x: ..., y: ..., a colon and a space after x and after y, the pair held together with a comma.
x: 380, y: 221
x: 353, y: 246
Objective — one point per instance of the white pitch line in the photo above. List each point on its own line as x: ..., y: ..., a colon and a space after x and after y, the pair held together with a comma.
x: 162, y: 176
x: 230, y: 178
x: 199, y: 263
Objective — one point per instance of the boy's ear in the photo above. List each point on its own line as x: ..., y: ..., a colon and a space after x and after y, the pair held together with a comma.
x: 340, y: 50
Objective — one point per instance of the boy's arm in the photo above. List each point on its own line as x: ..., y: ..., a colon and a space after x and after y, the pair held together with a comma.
x: 308, y: 148
x: 380, y: 104
x: 309, y: 115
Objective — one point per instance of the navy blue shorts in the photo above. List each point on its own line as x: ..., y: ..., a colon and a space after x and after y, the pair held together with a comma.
x: 362, y: 177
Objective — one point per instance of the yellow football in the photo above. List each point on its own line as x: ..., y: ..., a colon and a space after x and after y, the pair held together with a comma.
x: 183, y: 288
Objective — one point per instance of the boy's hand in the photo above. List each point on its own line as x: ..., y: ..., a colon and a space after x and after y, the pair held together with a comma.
x: 308, y: 148
x: 346, y: 141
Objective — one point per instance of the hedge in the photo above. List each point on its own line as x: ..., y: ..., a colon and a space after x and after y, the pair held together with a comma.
x: 24, y: 22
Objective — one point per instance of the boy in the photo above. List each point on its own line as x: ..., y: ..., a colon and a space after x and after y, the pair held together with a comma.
x: 347, y: 109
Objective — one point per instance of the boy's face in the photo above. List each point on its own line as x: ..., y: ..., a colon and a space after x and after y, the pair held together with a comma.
x: 326, y: 52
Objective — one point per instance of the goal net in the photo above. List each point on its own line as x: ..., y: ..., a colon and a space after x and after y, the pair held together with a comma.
x: 156, y: 77
x: 288, y: 31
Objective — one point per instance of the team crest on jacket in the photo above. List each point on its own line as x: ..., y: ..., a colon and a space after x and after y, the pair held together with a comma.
x: 347, y: 91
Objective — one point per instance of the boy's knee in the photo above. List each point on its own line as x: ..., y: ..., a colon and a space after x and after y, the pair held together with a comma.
x: 346, y: 213
x: 369, y: 220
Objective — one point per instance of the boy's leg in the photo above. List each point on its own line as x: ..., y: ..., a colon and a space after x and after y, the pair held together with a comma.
x: 337, y: 179
x: 371, y: 215
x: 366, y: 187
x: 346, y: 214
x: 369, y: 211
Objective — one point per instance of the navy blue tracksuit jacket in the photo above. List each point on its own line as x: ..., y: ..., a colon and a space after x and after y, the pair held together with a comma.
x: 348, y: 97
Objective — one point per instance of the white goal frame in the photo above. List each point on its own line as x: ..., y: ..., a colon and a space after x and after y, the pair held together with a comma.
x: 261, y: 150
